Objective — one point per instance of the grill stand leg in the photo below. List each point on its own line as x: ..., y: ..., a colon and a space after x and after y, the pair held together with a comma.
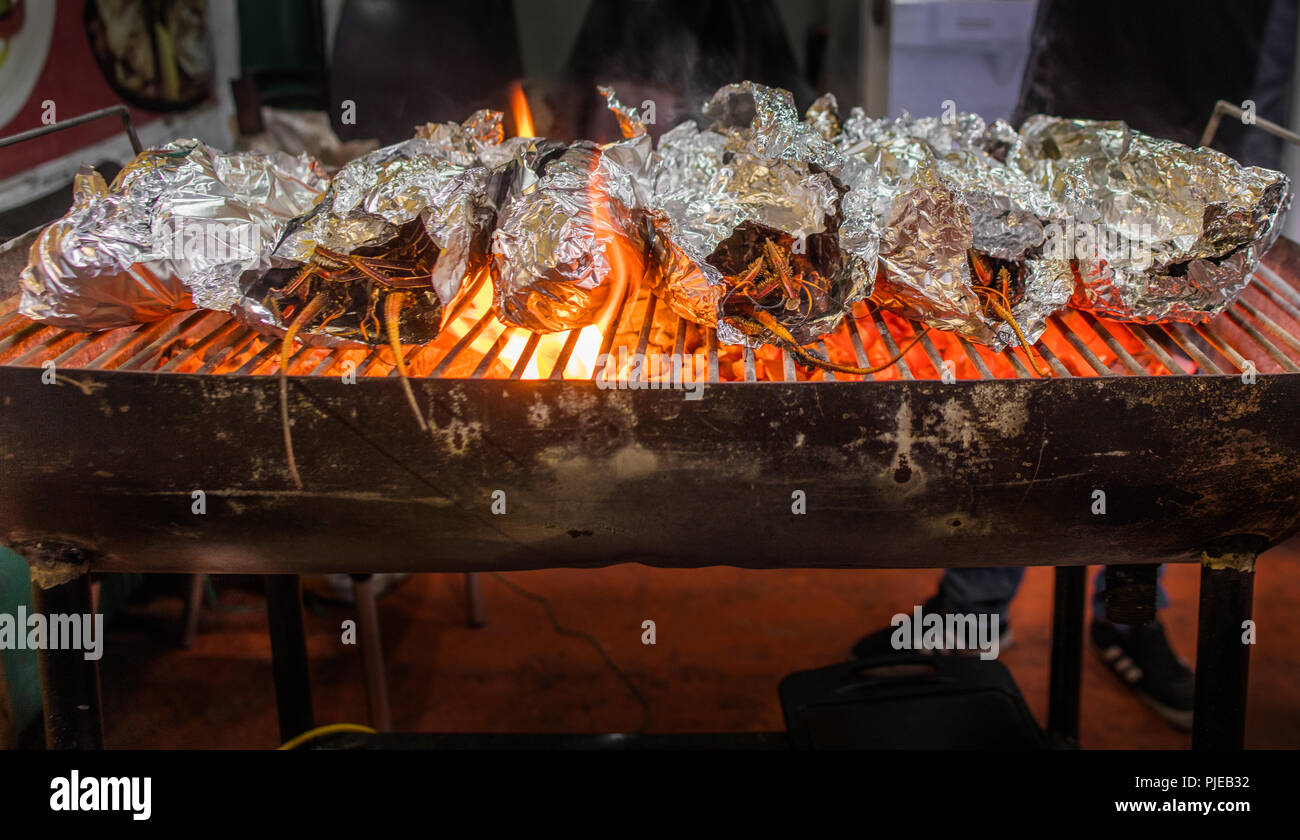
x: 1065, y: 679
x: 1222, y: 659
x: 372, y: 653
x: 289, y: 654
x: 474, y: 600
x: 193, y: 607
x: 69, y: 681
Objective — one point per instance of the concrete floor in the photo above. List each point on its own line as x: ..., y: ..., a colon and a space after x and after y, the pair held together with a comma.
x: 725, y: 639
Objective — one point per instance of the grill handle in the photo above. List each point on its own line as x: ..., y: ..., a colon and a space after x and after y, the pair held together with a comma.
x: 113, y: 110
x: 1225, y: 107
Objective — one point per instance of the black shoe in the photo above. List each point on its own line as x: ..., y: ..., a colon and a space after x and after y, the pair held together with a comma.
x: 1142, y: 658
x: 880, y: 642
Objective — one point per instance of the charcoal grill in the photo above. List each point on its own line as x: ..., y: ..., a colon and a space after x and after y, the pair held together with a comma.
x: 1189, y: 431
x: 1186, y: 431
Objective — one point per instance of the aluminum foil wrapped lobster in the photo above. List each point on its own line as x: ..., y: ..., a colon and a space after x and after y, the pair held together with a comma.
x: 569, y: 231
x: 1158, y: 231
x: 181, y: 226
x: 750, y: 233
x: 963, y: 235
x: 389, y: 245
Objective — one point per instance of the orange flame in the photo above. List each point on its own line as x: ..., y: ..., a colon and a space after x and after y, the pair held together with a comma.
x: 520, y: 111
x: 582, y: 361
x: 586, y: 351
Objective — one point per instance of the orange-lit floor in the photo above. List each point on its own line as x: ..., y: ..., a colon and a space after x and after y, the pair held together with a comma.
x: 725, y: 639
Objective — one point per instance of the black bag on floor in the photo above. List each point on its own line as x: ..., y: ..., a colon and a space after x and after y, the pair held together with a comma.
x: 913, y: 701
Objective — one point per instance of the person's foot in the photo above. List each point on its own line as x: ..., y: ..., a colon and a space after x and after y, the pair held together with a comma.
x: 879, y: 643
x: 1141, y: 657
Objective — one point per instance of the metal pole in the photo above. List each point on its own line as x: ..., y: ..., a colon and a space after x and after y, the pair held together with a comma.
x: 372, y: 653
x: 474, y: 600
x: 1222, y: 656
x: 1224, y: 107
x: 69, y: 680
x: 193, y: 608
x: 1065, y: 679
x: 873, y: 67
x: 289, y: 654
x: 113, y: 110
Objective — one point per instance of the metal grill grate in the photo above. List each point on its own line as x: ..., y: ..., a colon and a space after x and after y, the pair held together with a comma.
x: 1261, y: 329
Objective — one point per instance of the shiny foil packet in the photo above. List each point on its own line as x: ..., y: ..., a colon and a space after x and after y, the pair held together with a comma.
x: 393, y: 239
x: 749, y: 231
x: 962, y: 234
x: 1159, y: 231
x: 178, y: 228
x: 569, y: 231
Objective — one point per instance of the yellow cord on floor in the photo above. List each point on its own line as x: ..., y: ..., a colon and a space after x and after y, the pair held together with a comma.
x: 329, y: 729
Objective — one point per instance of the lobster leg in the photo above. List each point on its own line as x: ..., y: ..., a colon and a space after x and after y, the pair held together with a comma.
x: 314, y: 306
x: 771, y: 325
x: 1005, y: 315
x: 393, y: 304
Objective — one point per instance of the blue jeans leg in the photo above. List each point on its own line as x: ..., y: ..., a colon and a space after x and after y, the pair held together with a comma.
x: 979, y: 590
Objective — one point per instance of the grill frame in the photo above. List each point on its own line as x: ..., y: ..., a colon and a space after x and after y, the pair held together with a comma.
x: 741, y: 450
x: 597, y: 476
x: 623, y: 476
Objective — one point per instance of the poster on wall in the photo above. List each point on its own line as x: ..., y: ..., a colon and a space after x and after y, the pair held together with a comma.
x: 63, y: 58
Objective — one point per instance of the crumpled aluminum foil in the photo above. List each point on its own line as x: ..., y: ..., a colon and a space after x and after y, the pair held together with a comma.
x: 824, y: 116
x: 940, y: 190
x: 178, y: 228
x: 568, y: 231
x: 439, y: 177
x: 764, y: 122
x: 478, y: 141
x: 758, y: 164
x: 1160, y: 231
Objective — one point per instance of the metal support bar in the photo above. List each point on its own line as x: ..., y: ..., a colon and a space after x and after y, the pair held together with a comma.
x: 1222, y: 657
x: 113, y: 110
x: 474, y: 600
x: 289, y: 654
x: 1065, y: 679
x: 69, y: 679
x: 372, y: 653
x: 193, y: 608
x: 875, y: 23
x: 1224, y: 107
